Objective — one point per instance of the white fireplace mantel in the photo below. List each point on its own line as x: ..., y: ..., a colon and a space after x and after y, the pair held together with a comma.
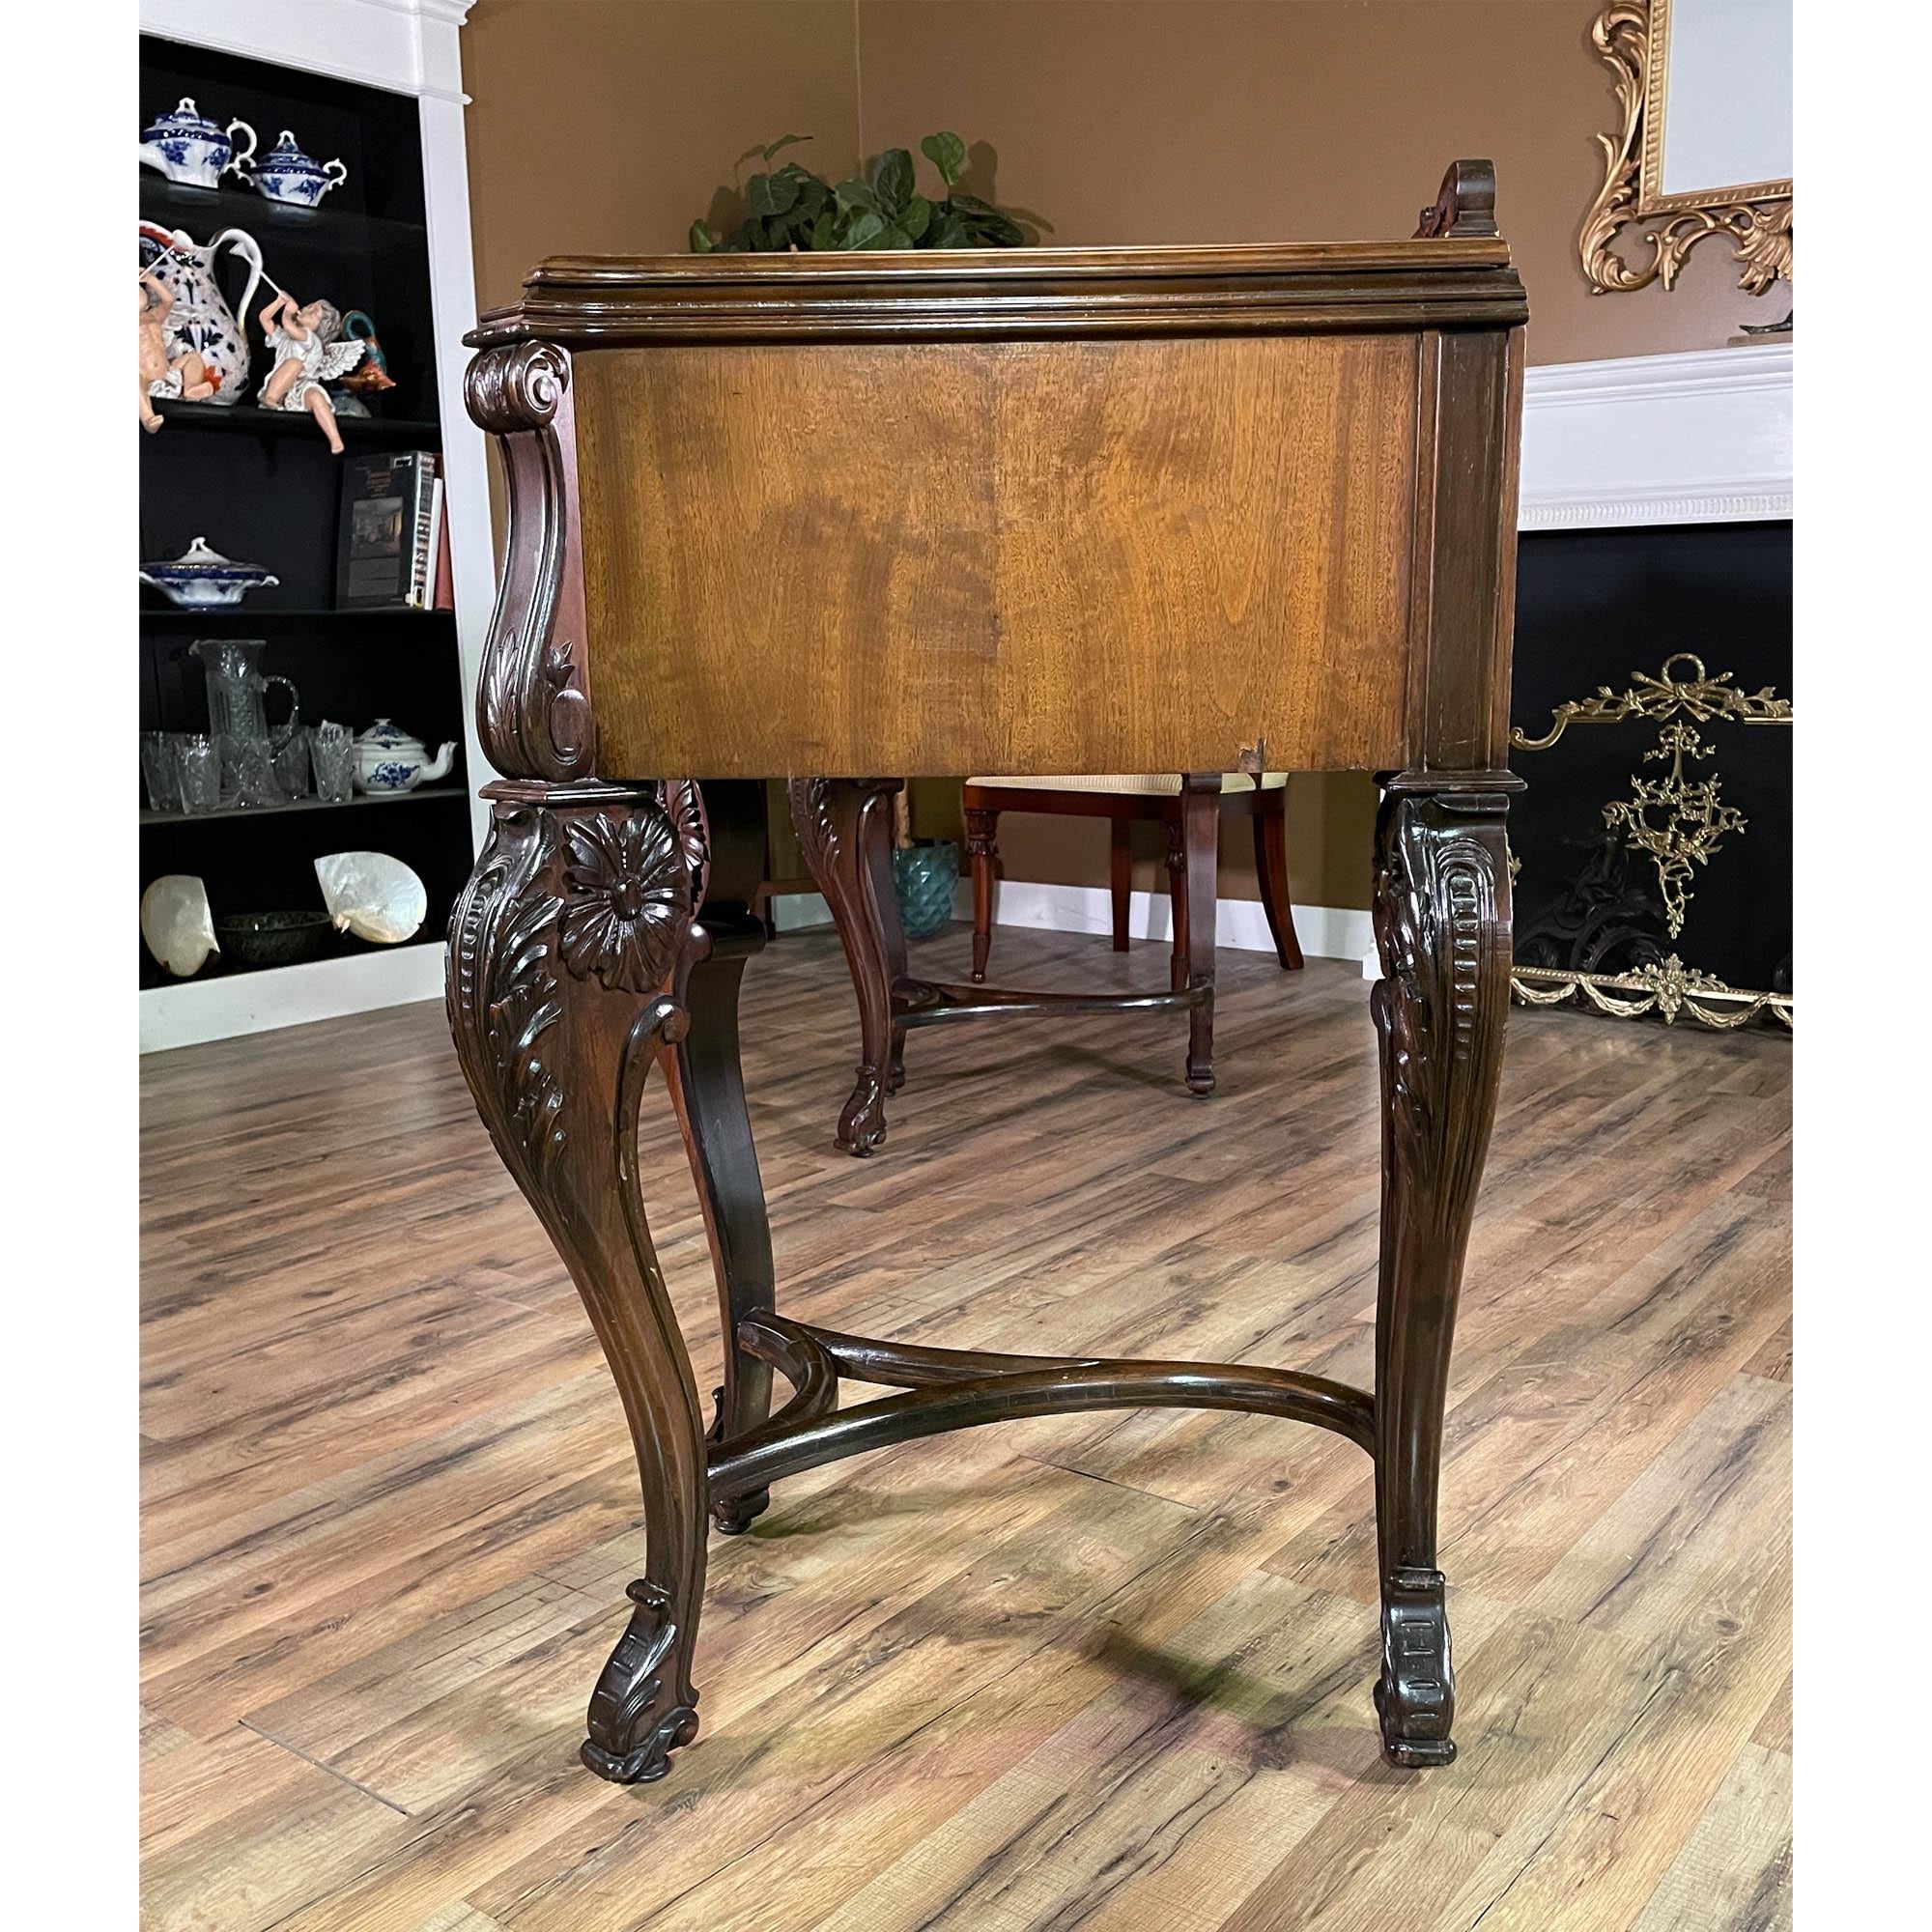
x: 1695, y: 439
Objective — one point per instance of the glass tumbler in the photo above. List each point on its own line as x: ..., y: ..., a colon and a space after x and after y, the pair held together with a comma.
x: 333, y: 748
x: 290, y: 760
x: 250, y: 765
x: 197, y: 771
x: 157, y: 772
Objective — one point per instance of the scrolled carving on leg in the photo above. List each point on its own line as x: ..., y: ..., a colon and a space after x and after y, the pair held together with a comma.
x: 1442, y: 927
x: 634, y: 1727
x: 565, y: 947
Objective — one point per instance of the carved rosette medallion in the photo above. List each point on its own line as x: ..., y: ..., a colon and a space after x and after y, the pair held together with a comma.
x: 627, y: 900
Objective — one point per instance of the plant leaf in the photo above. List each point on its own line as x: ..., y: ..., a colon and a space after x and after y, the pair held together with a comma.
x: 947, y: 153
x: 893, y: 180
x: 771, y: 194
x: 824, y: 233
x: 754, y: 152
x: 782, y: 142
x: 863, y: 231
x: 916, y: 218
x: 855, y: 193
x: 702, y: 242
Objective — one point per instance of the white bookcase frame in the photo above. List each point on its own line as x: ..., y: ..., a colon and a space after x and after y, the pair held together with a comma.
x: 408, y: 48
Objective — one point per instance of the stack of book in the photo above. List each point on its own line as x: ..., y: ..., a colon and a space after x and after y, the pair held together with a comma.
x: 393, y: 549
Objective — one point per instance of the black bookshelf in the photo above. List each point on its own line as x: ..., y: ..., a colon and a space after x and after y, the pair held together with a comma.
x: 261, y: 485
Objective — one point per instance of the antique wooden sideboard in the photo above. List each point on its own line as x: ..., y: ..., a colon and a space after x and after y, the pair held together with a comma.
x: 1036, y: 511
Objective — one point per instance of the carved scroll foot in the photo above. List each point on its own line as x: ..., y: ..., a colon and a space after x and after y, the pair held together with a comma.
x: 844, y: 828
x: 634, y: 1725
x: 1415, y: 1696
x: 564, y: 950
x: 1442, y: 927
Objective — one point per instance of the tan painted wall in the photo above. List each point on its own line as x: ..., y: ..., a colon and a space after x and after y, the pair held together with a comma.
x: 607, y: 124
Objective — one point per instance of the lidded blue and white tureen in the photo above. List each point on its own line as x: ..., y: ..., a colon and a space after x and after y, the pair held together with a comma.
x: 187, y: 147
x: 287, y: 175
x: 201, y: 579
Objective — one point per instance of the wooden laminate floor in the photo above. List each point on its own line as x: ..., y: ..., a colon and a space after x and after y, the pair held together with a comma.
x: 1105, y: 1672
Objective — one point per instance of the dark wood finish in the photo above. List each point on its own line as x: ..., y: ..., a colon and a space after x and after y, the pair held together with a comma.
x: 862, y: 1125
x: 1280, y: 392
x: 1442, y: 929
x: 1200, y: 845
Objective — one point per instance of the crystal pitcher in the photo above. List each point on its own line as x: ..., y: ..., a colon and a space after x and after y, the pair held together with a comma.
x: 238, y: 712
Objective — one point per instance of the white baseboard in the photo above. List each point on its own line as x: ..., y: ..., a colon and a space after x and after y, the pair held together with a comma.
x: 323, y: 989
x: 1326, y: 932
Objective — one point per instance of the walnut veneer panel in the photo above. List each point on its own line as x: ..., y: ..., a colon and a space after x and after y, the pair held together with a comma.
x: 1016, y: 557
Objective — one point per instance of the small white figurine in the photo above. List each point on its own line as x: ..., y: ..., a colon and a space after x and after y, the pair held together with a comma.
x: 304, y: 343
x: 184, y: 376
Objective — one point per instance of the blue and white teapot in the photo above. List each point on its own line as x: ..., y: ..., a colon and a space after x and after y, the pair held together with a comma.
x: 389, y: 761
x: 190, y: 148
x: 287, y: 175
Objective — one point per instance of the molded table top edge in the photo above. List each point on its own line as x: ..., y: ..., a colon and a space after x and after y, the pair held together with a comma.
x: 1287, y: 286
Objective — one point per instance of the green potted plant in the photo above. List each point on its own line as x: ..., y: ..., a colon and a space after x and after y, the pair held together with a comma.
x: 790, y: 208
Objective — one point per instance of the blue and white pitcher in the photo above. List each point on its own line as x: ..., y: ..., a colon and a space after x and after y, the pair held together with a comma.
x: 200, y: 319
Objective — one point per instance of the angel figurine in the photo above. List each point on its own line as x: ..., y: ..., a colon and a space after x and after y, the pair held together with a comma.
x: 185, y: 375
x: 304, y: 343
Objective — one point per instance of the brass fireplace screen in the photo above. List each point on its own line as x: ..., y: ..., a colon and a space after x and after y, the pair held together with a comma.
x: 1673, y: 822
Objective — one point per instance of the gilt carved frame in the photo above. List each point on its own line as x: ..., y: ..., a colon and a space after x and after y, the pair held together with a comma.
x: 1632, y: 38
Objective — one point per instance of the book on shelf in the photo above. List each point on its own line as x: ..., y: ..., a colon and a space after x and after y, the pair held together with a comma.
x: 390, y: 529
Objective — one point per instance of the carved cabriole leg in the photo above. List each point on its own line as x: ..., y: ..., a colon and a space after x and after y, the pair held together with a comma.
x: 844, y: 827
x: 564, y: 950
x: 1442, y: 927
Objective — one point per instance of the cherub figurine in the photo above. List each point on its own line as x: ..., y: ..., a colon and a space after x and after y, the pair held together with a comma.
x: 184, y: 376
x: 303, y: 342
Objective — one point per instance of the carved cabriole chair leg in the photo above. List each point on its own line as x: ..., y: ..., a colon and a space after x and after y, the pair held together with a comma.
x: 983, y: 848
x: 564, y: 950
x: 1442, y: 927
x: 844, y: 827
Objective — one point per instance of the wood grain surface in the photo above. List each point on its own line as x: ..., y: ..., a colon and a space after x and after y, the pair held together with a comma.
x: 1101, y: 1672
x: 1163, y: 555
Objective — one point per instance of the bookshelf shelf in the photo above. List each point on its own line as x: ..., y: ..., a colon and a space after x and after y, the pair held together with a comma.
x: 187, y: 821
x: 260, y: 620
x: 335, y: 225
x: 245, y: 419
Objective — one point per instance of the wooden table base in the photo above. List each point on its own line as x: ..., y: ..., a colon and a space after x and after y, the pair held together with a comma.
x: 594, y: 944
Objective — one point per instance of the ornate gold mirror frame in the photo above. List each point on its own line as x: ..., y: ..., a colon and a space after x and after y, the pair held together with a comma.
x: 1633, y: 37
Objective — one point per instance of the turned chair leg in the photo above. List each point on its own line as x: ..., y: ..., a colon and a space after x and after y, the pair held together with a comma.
x: 1271, y: 823
x: 982, y: 849
x: 564, y: 950
x: 1201, y: 851
x: 1121, y: 875
x: 1176, y: 901
x: 1442, y: 927
x: 844, y: 828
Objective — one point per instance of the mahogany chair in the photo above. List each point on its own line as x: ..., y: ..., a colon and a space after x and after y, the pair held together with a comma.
x: 1122, y: 800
